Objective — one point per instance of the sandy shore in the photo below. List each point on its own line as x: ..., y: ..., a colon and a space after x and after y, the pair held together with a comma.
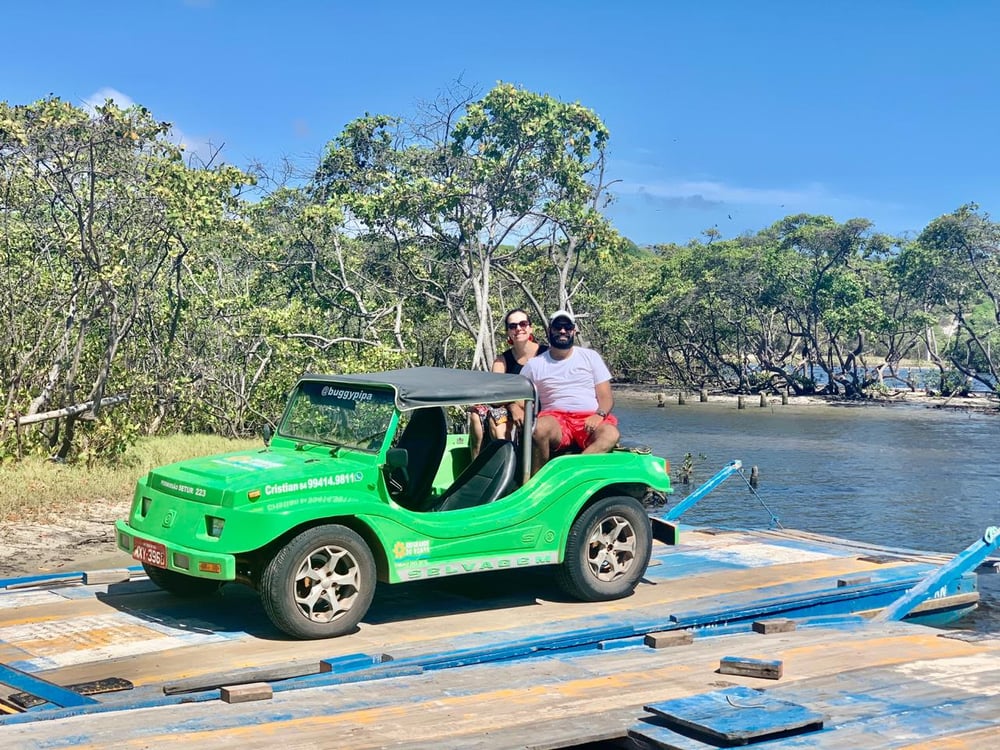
x: 80, y: 541
x: 85, y: 541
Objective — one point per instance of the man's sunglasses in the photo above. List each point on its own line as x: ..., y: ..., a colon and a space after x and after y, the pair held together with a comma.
x: 518, y: 324
x: 563, y: 327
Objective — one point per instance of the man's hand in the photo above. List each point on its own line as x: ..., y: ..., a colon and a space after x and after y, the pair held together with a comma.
x: 516, y: 413
x: 593, y: 422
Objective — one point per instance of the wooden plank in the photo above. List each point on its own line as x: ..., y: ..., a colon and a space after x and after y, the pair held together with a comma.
x: 778, y: 625
x: 241, y: 676
x: 891, y: 730
x: 669, y: 638
x: 114, y: 575
x: 253, y: 691
x: 766, y: 669
x: 647, y: 734
x: 41, y: 582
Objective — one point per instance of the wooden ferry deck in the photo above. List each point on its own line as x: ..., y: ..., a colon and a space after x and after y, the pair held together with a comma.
x: 503, y: 660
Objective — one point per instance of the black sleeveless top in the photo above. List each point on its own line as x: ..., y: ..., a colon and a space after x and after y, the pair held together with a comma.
x: 512, y: 366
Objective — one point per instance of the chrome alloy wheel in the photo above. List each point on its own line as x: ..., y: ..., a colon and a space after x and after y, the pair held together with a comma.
x: 327, y: 583
x: 611, y: 548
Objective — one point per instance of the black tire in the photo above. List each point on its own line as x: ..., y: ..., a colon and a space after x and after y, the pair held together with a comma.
x: 607, y: 550
x: 332, y: 561
x: 180, y: 584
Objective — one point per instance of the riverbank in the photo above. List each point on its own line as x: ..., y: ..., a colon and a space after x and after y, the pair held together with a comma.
x: 658, y: 395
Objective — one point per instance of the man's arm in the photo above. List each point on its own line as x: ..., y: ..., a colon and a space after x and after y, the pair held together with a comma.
x: 605, y: 399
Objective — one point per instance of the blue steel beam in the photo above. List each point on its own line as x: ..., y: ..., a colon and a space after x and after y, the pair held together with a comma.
x: 48, y: 691
x: 727, y: 471
x: 962, y: 563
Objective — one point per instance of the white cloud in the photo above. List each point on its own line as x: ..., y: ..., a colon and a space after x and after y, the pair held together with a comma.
x: 720, y: 192
x: 100, y: 96
x: 198, y: 147
x: 648, y: 180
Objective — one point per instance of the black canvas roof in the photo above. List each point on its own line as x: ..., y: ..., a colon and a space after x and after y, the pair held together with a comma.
x: 441, y: 386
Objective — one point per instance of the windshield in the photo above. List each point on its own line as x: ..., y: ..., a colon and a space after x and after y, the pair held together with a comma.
x: 342, y: 415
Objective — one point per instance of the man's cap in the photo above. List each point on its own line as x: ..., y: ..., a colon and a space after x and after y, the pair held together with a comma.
x: 562, y: 314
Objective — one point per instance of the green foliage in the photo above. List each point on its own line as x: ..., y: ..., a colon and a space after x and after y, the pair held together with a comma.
x: 40, y: 489
x: 131, y: 272
x: 101, y: 219
x: 472, y: 190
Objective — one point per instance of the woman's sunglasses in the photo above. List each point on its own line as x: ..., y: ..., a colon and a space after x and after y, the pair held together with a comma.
x: 518, y: 324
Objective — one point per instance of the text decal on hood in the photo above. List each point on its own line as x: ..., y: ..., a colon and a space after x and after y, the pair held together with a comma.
x: 313, y: 483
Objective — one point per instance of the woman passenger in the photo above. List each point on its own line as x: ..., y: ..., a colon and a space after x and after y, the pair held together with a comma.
x: 504, y: 421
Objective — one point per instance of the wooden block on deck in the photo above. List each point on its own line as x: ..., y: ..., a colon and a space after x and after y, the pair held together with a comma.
x: 668, y: 638
x: 254, y: 691
x: 853, y: 581
x: 115, y: 575
x: 767, y: 669
x: 778, y: 625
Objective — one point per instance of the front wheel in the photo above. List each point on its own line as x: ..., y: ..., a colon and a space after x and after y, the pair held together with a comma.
x: 320, y: 584
x: 179, y: 584
x: 607, y: 550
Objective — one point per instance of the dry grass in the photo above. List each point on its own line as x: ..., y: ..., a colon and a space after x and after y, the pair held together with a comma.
x: 39, y: 491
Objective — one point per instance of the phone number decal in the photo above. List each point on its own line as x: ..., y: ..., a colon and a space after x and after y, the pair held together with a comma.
x: 314, y: 483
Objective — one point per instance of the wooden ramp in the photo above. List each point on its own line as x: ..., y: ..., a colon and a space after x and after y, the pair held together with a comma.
x: 491, y: 660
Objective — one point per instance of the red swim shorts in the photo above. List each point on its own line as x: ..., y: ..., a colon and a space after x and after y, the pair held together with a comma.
x: 574, y: 431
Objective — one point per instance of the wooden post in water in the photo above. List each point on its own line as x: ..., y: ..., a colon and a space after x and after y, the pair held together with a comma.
x: 763, y: 399
x: 784, y: 397
x: 680, y: 398
x: 754, y: 476
x: 739, y: 403
x: 703, y: 395
x: 661, y: 400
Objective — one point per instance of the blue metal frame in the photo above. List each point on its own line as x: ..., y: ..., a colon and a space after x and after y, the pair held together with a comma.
x: 962, y: 563
x: 727, y: 471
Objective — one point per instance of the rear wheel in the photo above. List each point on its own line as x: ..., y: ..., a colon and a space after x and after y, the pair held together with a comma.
x: 607, y: 550
x: 180, y: 584
x: 320, y: 584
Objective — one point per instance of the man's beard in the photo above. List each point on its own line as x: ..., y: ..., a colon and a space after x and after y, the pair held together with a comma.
x: 555, y: 343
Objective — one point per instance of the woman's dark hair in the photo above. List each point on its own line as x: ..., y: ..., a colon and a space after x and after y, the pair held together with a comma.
x: 506, y: 318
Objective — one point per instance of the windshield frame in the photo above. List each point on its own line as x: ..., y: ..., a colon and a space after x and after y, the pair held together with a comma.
x: 335, y: 398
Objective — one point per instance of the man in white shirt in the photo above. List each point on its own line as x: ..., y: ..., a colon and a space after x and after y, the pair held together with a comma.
x: 574, y: 391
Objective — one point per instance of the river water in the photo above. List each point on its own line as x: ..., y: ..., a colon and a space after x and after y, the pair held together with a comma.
x: 898, y: 475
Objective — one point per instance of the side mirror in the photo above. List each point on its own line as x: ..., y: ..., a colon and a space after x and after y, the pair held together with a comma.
x: 267, y: 433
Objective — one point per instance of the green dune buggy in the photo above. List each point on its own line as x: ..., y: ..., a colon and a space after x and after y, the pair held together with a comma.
x: 363, y: 481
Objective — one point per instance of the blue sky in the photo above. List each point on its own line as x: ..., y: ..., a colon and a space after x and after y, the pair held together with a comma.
x: 722, y: 114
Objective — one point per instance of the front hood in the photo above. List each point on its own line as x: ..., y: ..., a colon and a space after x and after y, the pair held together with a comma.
x: 212, y: 479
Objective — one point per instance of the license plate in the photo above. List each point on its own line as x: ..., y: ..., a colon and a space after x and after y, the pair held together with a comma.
x: 151, y: 553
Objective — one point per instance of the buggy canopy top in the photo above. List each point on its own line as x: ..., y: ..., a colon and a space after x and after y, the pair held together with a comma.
x: 416, y: 387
